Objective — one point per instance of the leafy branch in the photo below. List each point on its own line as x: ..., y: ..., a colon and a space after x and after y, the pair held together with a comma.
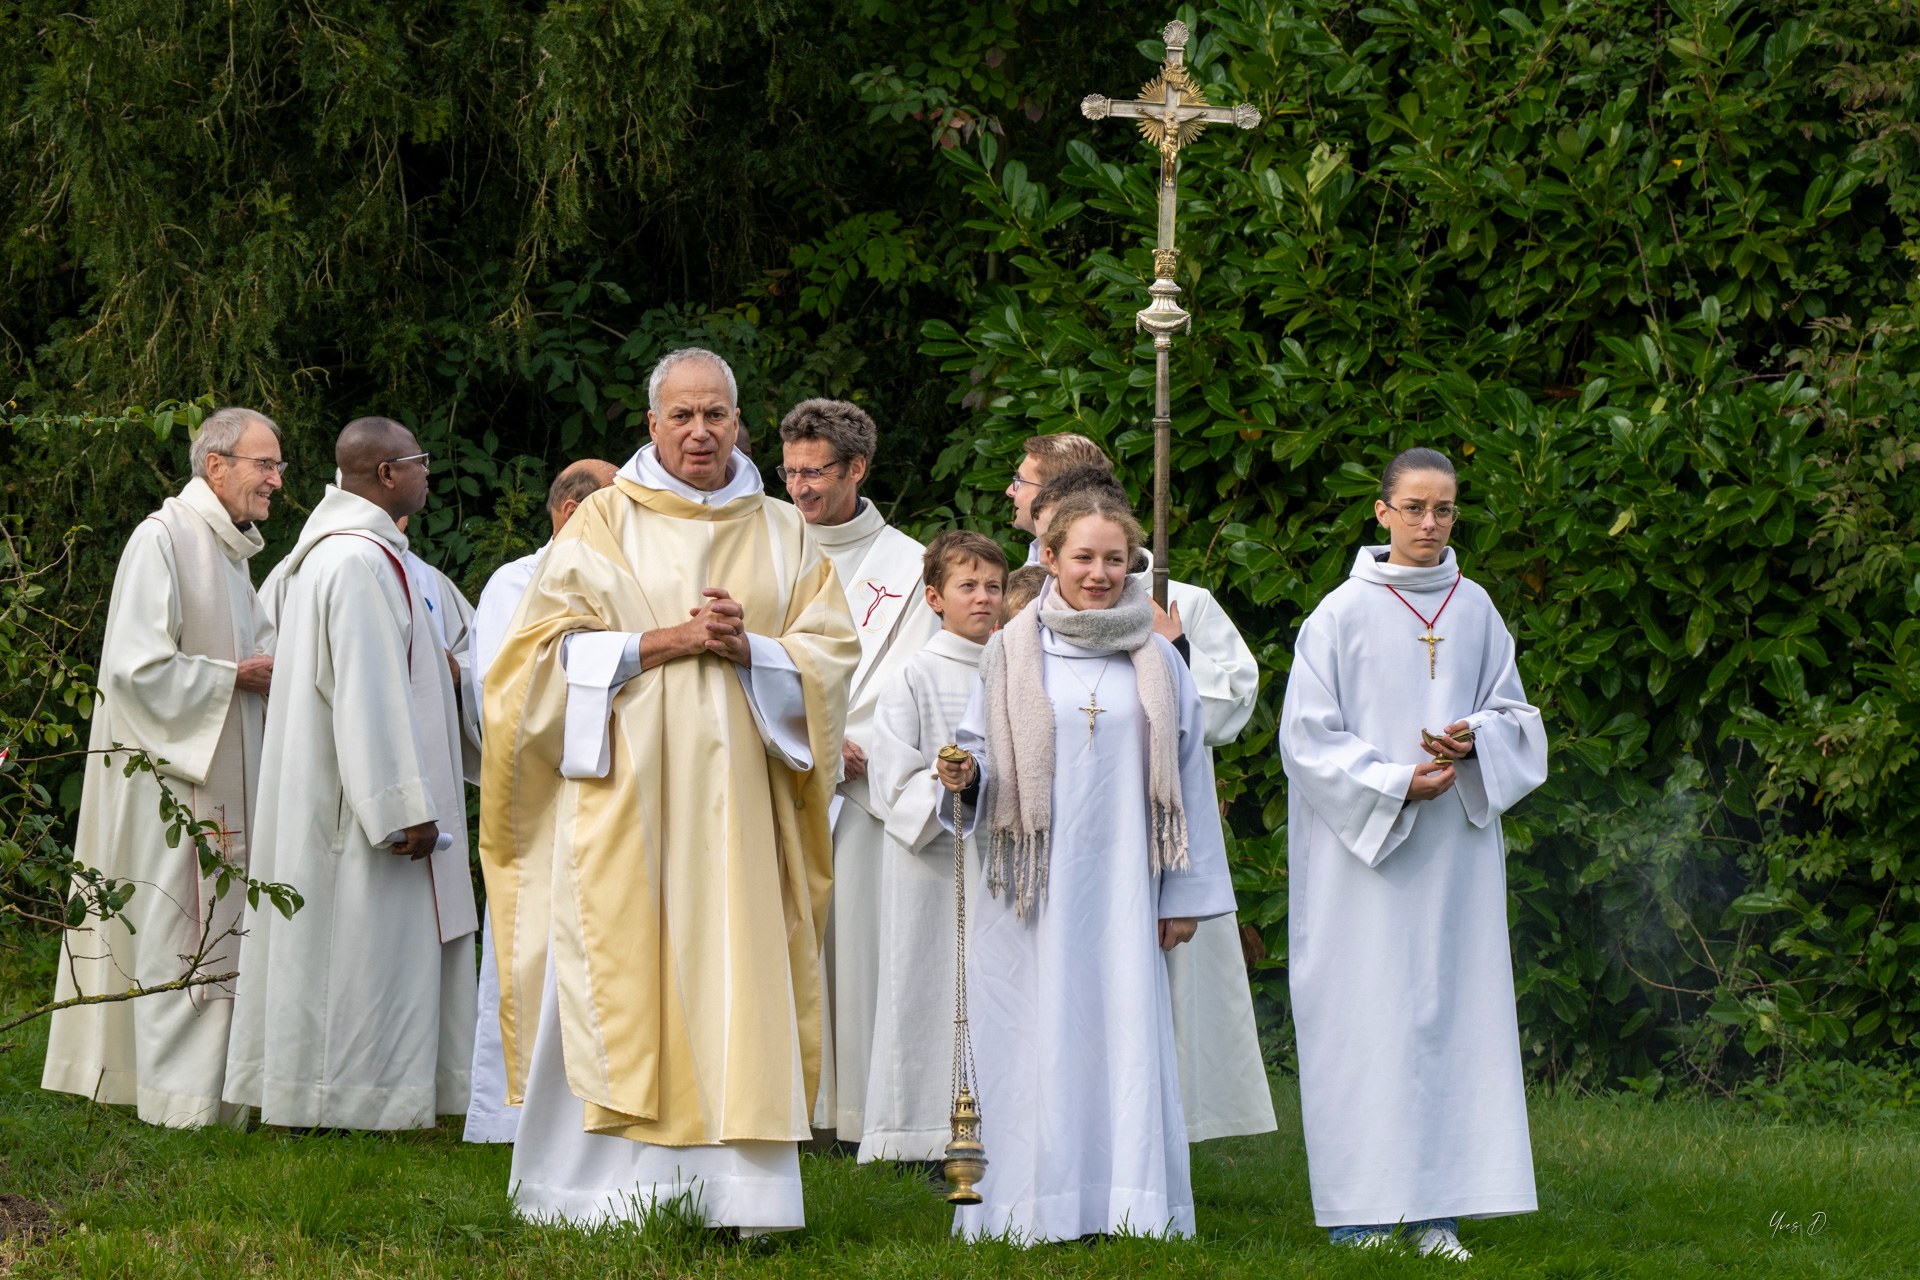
x: 92, y: 898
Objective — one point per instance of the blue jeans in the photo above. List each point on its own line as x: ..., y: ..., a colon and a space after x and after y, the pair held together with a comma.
x: 1347, y: 1235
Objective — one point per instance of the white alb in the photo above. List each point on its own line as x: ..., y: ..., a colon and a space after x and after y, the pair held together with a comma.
x: 1410, y: 1079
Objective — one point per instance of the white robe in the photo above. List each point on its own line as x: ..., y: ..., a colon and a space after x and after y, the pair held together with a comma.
x: 489, y: 1116
x: 907, y: 1100
x: 1410, y: 1080
x: 1072, y: 1030
x: 499, y: 601
x: 880, y: 569
x: 1223, y: 1077
x: 165, y: 1054
x: 452, y: 620
x: 563, y: 1173
x: 358, y: 1012
x: 456, y: 627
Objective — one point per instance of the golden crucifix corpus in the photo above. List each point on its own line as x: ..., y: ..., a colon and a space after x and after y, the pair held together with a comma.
x: 1432, y: 642
x: 1092, y: 709
x: 1172, y: 111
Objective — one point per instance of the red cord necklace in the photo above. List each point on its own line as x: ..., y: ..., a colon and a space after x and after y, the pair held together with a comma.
x: 1430, y: 640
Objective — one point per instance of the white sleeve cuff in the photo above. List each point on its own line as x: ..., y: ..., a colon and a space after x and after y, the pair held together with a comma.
x: 778, y: 701
x: 597, y: 664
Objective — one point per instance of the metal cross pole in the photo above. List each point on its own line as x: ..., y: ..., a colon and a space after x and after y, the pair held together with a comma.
x: 1172, y: 111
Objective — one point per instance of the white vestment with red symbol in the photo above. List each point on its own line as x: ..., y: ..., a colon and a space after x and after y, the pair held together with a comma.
x: 881, y: 572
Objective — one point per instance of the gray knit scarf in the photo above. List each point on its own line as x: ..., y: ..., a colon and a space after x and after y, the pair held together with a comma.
x: 1020, y: 742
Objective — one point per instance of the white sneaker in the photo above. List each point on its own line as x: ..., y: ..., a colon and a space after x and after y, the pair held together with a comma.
x: 1443, y: 1242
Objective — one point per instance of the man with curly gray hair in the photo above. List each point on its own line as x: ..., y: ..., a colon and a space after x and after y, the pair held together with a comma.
x: 827, y: 450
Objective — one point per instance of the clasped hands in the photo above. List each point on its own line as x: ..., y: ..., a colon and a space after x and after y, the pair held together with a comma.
x: 1436, y: 777
x: 718, y: 627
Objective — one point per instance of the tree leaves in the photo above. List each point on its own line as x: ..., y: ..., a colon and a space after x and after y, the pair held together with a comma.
x: 1583, y: 293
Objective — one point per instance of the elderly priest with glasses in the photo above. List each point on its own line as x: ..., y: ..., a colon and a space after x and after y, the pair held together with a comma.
x: 183, y: 677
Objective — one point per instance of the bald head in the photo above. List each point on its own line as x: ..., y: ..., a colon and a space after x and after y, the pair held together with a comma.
x: 574, y: 485
x: 365, y: 443
x: 379, y: 461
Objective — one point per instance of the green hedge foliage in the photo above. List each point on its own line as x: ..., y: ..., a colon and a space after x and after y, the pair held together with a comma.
x: 1643, y: 271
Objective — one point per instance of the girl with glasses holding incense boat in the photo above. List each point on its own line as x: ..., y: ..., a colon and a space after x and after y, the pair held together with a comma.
x: 1406, y: 735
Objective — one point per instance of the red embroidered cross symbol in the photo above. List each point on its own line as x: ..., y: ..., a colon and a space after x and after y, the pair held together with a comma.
x: 880, y: 596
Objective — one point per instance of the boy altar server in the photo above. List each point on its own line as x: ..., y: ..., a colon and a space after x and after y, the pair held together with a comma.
x: 918, y: 713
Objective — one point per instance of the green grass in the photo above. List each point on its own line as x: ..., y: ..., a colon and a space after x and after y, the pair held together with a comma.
x: 1629, y: 1188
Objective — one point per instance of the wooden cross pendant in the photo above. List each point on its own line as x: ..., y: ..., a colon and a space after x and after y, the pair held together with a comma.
x: 1092, y: 709
x: 1432, y: 642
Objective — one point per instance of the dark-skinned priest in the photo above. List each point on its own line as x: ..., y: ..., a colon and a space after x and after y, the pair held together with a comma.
x: 358, y: 1012
x: 663, y: 731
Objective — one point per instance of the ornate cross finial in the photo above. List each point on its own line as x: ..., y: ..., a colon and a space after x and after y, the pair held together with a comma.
x: 1171, y: 111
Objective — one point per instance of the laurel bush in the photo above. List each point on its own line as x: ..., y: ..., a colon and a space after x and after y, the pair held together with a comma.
x: 1645, y: 272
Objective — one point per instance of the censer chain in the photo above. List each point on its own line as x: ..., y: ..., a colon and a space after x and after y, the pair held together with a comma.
x: 963, y: 1077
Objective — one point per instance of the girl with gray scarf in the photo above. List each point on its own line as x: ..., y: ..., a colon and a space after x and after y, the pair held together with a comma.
x: 1103, y: 846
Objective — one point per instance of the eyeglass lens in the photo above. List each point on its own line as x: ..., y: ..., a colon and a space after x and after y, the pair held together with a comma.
x: 1416, y: 513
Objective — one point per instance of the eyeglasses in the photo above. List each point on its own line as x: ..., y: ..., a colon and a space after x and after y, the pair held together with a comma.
x: 424, y: 459
x: 274, y: 465
x: 1019, y: 480
x: 810, y: 474
x: 1416, y: 513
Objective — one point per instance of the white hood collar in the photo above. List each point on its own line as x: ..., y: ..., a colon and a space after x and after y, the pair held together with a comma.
x: 644, y: 469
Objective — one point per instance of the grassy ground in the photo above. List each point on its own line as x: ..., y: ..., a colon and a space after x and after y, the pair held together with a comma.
x: 1629, y: 1188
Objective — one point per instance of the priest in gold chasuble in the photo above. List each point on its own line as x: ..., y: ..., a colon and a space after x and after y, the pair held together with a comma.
x: 663, y: 731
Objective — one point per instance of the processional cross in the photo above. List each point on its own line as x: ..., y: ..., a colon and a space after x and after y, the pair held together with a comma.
x: 1172, y: 111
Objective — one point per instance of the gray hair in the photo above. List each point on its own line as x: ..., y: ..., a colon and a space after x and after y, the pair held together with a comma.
x: 673, y: 359
x: 846, y: 428
x: 221, y: 432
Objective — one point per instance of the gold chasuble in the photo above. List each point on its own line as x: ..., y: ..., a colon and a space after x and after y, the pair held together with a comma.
x: 685, y: 891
